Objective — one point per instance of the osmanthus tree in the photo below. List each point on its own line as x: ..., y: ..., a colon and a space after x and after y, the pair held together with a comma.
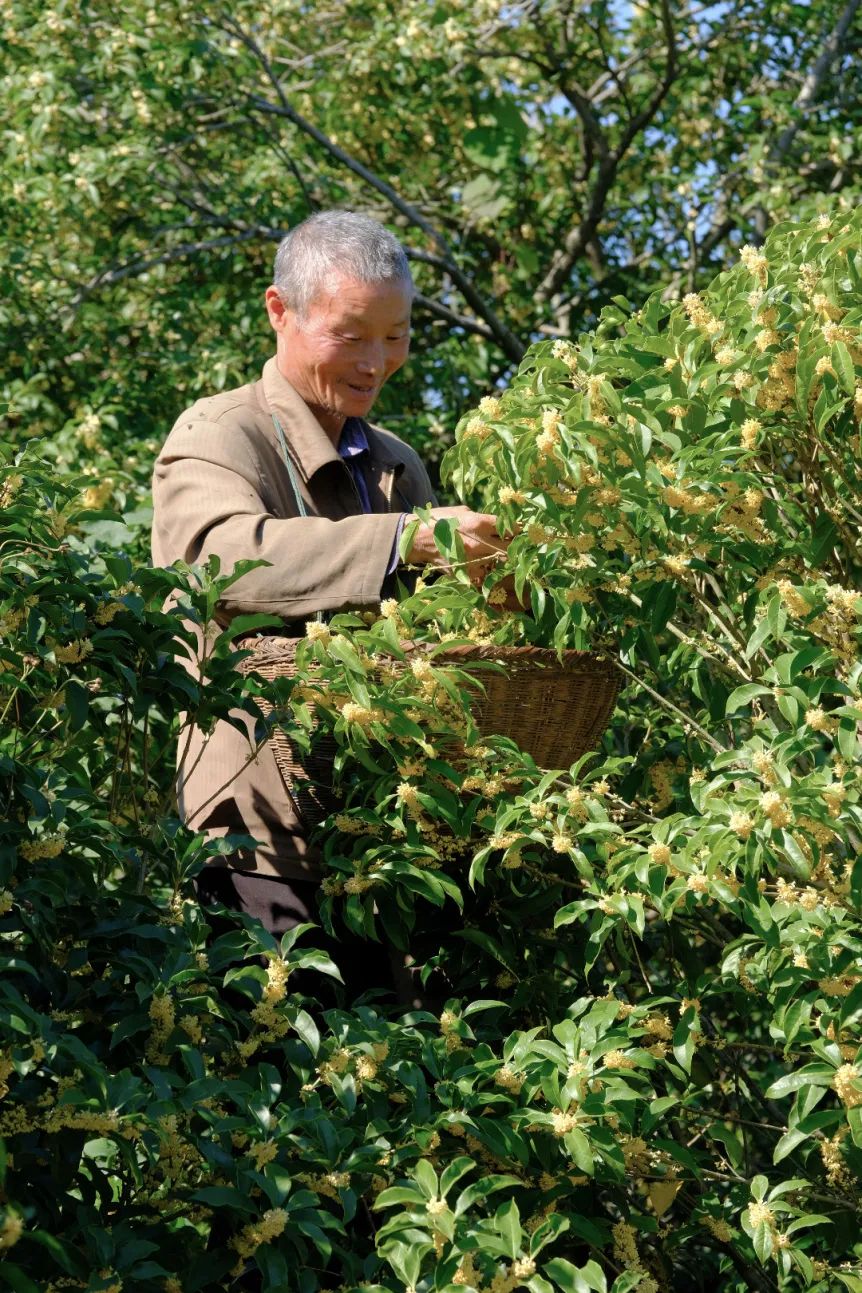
x: 537, y: 158
x: 645, y: 1069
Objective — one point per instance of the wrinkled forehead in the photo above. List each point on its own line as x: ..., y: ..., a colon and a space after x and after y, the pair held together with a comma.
x: 350, y: 300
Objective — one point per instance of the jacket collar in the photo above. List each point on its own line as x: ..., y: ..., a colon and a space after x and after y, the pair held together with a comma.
x: 310, y: 446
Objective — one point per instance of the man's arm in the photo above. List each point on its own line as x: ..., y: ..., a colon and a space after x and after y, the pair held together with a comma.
x: 206, y: 499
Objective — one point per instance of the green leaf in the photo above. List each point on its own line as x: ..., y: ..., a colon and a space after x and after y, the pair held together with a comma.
x: 788, y: 1142
x: 507, y: 1221
x: 579, y: 1148
x: 223, y: 1196
x: 843, y: 365
x: 453, y: 1173
x: 306, y: 1028
x: 12, y: 1277
x: 426, y: 1178
x: 399, y: 1194
x: 762, y: 1240
x: 811, y: 1075
x: 572, y: 1279
x: 743, y: 695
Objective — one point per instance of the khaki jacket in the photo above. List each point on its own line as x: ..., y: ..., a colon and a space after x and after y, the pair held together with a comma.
x: 221, y: 486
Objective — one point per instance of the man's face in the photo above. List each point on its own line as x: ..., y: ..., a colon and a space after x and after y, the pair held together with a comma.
x: 352, y: 339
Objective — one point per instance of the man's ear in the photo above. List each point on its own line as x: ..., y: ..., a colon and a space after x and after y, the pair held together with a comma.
x: 277, y: 312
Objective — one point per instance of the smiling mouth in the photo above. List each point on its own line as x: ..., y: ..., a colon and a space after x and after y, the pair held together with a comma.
x: 361, y: 390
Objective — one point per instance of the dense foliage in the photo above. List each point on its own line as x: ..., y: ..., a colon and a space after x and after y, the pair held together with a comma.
x: 536, y: 158
x: 636, y: 1064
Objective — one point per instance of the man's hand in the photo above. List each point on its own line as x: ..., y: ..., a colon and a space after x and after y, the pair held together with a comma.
x: 483, y: 547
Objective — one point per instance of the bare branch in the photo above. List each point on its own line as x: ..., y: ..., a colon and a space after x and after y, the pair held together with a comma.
x: 107, y: 277
x: 811, y: 85
x: 805, y: 99
x: 505, y: 338
x: 582, y: 234
x: 441, y: 311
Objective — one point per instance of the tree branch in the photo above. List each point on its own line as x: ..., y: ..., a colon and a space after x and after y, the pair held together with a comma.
x: 804, y: 101
x: 579, y: 237
x: 441, y: 311
x: 107, y: 277
x: 811, y: 85
x: 508, y: 342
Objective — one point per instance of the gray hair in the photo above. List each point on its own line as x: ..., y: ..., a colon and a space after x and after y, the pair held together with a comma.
x: 328, y: 242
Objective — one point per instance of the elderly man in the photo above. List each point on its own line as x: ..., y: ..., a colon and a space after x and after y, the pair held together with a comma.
x: 287, y: 469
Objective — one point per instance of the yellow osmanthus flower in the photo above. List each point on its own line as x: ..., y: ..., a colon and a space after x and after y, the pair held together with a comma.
x: 755, y: 262
x: 819, y: 721
x: 625, y: 1245
x: 191, y: 1026
x: 839, y: 985
x: 255, y: 1234
x: 661, y: 776
x: 509, y: 1080
x: 358, y: 883
x: 774, y: 806
x: 577, y: 804
x: 838, y: 1173
x: 360, y: 715
x: 408, y: 795
x: 162, y: 1014
x: 317, y: 632
x: 834, y: 796
x: 11, y: 1230
x: 618, y: 1060
x: 660, y: 854
x: 847, y: 1083
x: 10, y: 488
x: 658, y: 1025
x: 73, y: 652
x: 263, y: 1152
x: 491, y: 407
x: 700, y: 316
x: 94, y: 497
x: 466, y: 1273
x: 760, y: 1214
x: 265, y: 1013
x: 477, y: 429
x: 565, y: 351
x: 718, y: 1227
x: 563, y: 1122
x: 762, y: 763
x: 366, y: 1068
x: 684, y: 500
x: 46, y: 846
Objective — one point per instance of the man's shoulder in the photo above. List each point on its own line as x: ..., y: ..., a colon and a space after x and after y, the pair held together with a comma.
x: 239, y: 407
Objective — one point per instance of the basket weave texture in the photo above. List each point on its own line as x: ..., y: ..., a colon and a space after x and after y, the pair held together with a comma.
x: 555, y: 709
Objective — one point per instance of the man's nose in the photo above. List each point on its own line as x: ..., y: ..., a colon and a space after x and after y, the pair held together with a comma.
x: 371, y: 359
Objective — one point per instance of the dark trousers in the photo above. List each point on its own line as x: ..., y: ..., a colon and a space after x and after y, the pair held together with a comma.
x: 280, y: 905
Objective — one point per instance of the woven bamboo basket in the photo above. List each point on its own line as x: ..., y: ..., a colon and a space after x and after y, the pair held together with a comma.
x: 554, y: 709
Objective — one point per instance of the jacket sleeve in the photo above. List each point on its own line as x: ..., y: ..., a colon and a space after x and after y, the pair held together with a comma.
x: 206, y: 499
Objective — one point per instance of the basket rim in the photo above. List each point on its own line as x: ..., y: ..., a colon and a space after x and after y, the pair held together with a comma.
x: 272, y: 647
